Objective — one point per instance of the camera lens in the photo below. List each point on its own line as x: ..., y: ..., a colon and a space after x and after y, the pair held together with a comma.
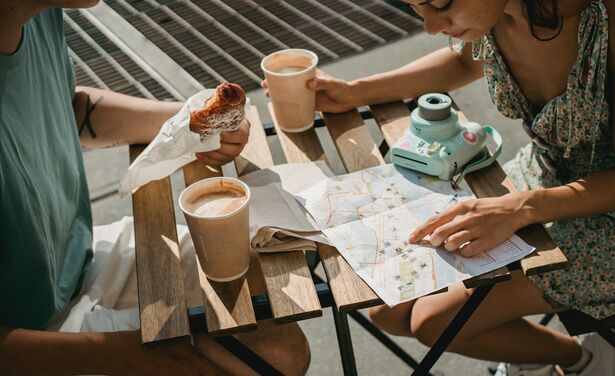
x: 434, y: 100
x: 435, y: 106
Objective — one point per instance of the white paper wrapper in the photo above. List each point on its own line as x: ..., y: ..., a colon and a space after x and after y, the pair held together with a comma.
x: 173, y: 147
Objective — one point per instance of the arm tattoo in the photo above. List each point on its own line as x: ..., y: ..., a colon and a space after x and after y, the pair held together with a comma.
x: 87, y: 123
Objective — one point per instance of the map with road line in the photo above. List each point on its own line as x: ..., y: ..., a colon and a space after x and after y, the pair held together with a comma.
x: 368, y: 216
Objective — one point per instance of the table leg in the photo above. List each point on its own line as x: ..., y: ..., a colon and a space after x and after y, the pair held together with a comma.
x: 384, y: 339
x: 344, y: 341
x: 451, y: 330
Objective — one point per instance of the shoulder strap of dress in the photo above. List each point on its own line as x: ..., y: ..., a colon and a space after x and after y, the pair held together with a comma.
x: 593, y: 50
x: 593, y: 44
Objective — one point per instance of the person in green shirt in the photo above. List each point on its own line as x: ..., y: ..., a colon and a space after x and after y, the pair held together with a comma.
x: 46, y: 222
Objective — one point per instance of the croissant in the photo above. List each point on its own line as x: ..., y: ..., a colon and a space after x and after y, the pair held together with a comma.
x: 223, y: 111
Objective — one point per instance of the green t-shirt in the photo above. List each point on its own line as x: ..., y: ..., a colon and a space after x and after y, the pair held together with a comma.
x: 45, y: 215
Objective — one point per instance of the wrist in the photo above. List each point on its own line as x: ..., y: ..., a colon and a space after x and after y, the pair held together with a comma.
x: 527, y: 209
x: 356, y: 89
x: 378, y: 88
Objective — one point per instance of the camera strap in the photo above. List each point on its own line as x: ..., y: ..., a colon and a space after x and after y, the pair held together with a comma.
x: 487, y: 157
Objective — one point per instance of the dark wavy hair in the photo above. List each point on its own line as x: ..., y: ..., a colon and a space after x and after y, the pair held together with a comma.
x: 543, y: 13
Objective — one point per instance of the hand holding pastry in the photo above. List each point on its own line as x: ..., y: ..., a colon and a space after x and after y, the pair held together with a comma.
x: 231, y: 144
x: 223, y: 112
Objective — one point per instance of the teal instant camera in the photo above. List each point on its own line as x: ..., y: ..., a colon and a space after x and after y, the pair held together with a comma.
x: 437, y: 144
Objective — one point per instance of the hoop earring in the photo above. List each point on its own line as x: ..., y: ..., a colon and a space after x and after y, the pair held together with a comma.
x: 455, y: 47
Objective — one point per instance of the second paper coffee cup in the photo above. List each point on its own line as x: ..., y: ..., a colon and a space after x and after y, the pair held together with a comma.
x: 217, y: 214
x: 287, y: 73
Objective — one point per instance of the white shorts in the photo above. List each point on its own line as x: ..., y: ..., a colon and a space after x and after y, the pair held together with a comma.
x: 108, y: 299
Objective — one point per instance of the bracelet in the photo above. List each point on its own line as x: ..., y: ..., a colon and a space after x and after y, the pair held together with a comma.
x: 89, y: 108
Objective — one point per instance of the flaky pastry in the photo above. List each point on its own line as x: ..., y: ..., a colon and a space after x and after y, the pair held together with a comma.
x: 224, y: 111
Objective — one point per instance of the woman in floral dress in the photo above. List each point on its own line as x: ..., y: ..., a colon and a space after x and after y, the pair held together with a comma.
x: 547, y: 63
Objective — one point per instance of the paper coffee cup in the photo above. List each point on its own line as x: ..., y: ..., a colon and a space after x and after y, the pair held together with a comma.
x: 287, y: 73
x: 216, y: 211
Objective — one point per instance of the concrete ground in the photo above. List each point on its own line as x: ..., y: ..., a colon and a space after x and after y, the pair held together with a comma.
x: 105, y: 167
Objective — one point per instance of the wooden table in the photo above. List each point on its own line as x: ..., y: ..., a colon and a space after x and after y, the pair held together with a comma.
x: 292, y: 294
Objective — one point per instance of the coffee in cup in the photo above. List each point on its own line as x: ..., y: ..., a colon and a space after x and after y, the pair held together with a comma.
x: 287, y: 73
x: 216, y: 211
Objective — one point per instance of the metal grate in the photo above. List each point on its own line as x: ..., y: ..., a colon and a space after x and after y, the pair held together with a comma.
x: 100, y: 63
x: 225, y: 40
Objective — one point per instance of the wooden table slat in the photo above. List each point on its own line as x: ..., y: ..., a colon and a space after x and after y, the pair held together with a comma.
x: 348, y: 289
x: 353, y: 141
x: 256, y: 154
x: 162, y: 299
x: 393, y: 120
x: 228, y: 307
x: 291, y: 292
x: 299, y: 147
x: 290, y: 288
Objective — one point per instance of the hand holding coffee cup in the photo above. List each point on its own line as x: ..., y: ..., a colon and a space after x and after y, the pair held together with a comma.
x: 217, y: 214
x: 332, y: 94
x: 287, y: 73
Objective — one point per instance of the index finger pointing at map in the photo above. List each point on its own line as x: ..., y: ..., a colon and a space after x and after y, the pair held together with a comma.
x: 418, y: 234
x: 431, y: 225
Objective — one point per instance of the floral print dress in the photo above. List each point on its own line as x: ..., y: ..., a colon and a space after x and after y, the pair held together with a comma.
x: 571, y: 138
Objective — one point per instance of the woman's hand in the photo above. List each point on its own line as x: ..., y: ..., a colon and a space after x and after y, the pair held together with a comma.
x: 127, y: 357
x: 332, y: 94
x: 475, y: 226
x: 231, y: 144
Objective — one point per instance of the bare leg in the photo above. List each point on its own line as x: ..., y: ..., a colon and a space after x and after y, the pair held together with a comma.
x: 393, y: 320
x: 496, y: 331
x: 283, y: 346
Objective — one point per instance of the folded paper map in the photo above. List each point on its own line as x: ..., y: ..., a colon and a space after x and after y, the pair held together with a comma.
x: 368, y: 215
x: 277, y: 221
